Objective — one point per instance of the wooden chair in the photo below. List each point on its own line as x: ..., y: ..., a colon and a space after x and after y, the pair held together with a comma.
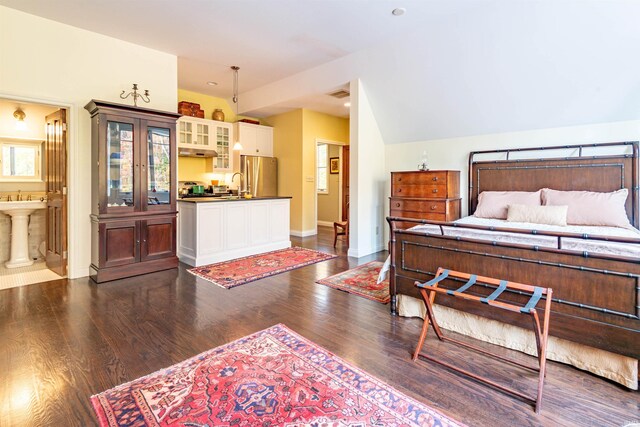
x: 340, y: 229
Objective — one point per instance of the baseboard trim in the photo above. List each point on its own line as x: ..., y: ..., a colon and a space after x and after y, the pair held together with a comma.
x: 303, y: 233
x: 359, y: 253
x: 325, y: 223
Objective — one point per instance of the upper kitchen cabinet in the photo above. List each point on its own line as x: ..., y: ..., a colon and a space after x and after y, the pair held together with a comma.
x: 256, y: 140
x: 201, y: 137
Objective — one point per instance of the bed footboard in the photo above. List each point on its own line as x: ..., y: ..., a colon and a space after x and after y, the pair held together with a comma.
x: 596, y: 299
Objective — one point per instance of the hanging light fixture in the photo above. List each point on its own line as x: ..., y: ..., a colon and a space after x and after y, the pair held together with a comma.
x: 20, y: 116
x: 237, y: 146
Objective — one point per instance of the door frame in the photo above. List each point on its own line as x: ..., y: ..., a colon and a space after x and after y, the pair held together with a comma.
x: 315, y: 169
x: 74, y: 270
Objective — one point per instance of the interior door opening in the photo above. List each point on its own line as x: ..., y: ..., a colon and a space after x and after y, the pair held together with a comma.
x: 33, y: 193
x: 332, y: 185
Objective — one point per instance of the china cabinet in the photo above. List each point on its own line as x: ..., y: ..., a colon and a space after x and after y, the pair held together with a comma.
x: 256, y: 140
x: 203, y: 135
x: 133, y: 190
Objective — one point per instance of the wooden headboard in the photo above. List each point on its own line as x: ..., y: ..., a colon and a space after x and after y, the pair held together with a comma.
x: 577, y: 171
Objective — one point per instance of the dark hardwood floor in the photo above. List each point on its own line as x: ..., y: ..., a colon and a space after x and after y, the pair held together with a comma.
x: 62, y: 341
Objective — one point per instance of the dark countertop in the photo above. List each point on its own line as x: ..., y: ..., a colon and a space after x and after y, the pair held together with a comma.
x: 224, y: 199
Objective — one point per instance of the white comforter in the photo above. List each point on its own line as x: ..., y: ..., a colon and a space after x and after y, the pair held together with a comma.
x: 631, y: 250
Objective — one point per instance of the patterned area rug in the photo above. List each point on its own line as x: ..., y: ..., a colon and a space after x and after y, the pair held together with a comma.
x: 361, y: 281
x: 271, y: 378
x: 239, y: 271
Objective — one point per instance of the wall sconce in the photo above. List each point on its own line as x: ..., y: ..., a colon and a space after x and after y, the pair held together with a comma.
x: 237, y: 146
x: 19, y: 115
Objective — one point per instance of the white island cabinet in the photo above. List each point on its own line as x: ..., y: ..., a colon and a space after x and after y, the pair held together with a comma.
x: 213, y: 230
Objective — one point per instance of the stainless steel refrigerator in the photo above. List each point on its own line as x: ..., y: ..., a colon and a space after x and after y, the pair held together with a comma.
x: 260, y: 175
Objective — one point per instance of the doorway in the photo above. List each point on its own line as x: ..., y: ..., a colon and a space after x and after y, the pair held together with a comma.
x: 332, y: 177
x: 33, y: 192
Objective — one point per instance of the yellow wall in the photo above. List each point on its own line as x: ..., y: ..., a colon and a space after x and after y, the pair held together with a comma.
x: 294, y: 144
x: 287, y: 147
x: 317, y: 126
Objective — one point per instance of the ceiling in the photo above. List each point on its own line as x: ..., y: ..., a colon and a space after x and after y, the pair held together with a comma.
x: 446, y: 68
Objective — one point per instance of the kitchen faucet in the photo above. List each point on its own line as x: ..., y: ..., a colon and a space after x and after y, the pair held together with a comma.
x: 240, y: 191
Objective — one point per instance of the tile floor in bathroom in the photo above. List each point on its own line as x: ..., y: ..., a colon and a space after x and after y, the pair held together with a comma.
x: 36, y: 273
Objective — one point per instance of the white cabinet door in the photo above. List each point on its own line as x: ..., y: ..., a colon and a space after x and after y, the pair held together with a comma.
x: 279, y: 220
x: 186, y: 230
x: 256, y: 140
x: 259, y: 223
x: 210, y: 228
x: 185, y: 133
x: 237, y: 220
x: 223, y: 142
x: 264, y: 141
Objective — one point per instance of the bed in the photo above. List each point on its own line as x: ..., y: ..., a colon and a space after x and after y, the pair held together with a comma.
x: 594, y: 272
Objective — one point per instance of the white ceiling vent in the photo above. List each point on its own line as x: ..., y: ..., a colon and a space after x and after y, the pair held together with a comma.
x: 341, y: 93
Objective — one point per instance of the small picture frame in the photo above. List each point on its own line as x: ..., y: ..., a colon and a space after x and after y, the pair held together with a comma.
x: 334, y: 165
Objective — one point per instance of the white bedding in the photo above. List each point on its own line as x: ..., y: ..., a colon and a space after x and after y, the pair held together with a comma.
x: 574, y: 244
x: 631, y: 250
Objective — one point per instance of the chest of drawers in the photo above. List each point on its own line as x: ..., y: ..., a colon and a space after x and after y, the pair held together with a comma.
x: 431, y: 195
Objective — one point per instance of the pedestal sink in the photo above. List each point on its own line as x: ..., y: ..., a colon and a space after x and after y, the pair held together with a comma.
x: 19, y: 213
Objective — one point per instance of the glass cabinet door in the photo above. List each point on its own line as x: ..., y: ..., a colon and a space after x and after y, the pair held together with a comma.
x: 202, y: 134
x: 120, y: 165
x: 158, y: 167
x: 186, y: 133
x: 222, y: 147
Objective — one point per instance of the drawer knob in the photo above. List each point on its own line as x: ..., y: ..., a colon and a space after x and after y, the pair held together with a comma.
x: 434, y: 207
x: 400, y: 179
x: 435, y: 190
x: 397, y: 205
x: 435, y: 178
x: 399, y: 190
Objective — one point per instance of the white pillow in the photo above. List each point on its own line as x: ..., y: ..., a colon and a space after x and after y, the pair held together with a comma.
x: 591, y: 208
x: 493, y: 204
x: 551, y: 215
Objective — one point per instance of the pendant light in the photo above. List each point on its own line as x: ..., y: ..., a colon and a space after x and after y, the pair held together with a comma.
x: 237, y: 146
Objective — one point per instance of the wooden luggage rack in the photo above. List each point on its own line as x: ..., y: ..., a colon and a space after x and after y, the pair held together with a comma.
x: 529, y: 308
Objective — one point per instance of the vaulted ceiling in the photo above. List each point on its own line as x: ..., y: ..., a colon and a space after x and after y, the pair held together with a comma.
x: 445, y: 68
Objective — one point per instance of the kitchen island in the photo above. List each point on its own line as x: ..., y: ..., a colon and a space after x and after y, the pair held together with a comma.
x: 214, y: 229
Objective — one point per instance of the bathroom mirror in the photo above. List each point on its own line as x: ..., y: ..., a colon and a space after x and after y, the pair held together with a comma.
x: 20, y: 161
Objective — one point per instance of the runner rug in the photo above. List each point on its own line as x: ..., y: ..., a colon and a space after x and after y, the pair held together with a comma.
x: 271, y: 378
x: 235, y: 272
x: 361, y: 281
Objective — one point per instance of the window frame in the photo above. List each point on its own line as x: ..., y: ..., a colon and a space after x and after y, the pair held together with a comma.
x: 38, y: 167
x: 326, y: 167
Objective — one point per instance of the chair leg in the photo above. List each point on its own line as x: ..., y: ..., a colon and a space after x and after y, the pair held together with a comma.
x: 335, y: 235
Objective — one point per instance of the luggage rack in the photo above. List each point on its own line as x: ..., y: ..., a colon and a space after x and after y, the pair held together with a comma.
x: 541, y: 332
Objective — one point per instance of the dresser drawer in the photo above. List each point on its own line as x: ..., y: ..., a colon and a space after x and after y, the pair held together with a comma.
x: 428, y: 177
x: 424, y: 191
x: 427, y: 206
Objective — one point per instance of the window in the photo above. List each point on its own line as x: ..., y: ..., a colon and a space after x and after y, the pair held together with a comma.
x: 21, y: 161
x: 322, y: 161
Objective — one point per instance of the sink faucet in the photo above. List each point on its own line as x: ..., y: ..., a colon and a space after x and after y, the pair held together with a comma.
x: 19, y: 197
x: 240, y: 191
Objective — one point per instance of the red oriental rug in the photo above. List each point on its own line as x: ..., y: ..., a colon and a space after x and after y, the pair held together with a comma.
x: 235, y: 272
x: 271, y: 378
x: 362, y: 281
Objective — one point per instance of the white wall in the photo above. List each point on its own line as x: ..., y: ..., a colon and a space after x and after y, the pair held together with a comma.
x: 368, y: 177
x: 453, y: 153
x: 45, y: 61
